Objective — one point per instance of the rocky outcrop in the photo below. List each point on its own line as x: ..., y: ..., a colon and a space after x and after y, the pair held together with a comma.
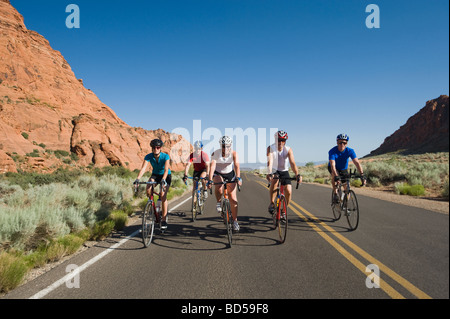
x: 426, y: 131
x: 43, y: 103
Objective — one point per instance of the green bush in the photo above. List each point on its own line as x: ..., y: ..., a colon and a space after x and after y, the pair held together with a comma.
x: 120, y: 219
x: 102, y: 229
x: 445, y: 189
x: 405, y: 189
x: 12, y: 271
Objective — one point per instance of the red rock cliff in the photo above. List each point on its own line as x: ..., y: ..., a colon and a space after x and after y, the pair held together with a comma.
x: 43, y: 103
x: 426, y: 131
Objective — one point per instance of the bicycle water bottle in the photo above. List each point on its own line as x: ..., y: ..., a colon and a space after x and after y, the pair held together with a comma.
x: 158, y: 206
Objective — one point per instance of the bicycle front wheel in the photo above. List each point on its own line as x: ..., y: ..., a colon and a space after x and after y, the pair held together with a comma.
x: 148, y: 224
x: 228, y: 221
x: 194, y: 206
x: 335, y: 207
x: 352, y: 210
x: 282, y: 219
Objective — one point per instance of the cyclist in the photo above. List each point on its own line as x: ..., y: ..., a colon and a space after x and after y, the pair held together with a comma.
x: 279, y: 156
x: 161, y: 173
x: 225, y: 166
x: 201, y: 166
x: 338, y: 162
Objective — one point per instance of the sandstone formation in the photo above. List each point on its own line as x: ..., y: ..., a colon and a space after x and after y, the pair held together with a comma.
x: 425, y: 132
x: 45, y: 108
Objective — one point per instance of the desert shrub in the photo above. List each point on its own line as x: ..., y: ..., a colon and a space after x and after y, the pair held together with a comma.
x: 12, y: 271
x: 356, y: 182
x: 406, y: 189
x: 445, y: 189
x: 319, y: 180
x: 102, y: 229
x: 120, y: 219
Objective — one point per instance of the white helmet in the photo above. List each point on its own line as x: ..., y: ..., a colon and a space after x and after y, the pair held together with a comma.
x: 225, y: 140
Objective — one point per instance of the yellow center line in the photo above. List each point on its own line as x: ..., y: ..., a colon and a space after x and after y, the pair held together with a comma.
x: 383, y: 268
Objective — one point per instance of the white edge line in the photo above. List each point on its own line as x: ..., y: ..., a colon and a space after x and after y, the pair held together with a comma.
x: 90, y: 262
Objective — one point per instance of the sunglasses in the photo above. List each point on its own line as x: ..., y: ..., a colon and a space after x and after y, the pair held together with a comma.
x: 157, y: 147
x: 226, y: 146
x: 280, y: 140
x: 345, y: 143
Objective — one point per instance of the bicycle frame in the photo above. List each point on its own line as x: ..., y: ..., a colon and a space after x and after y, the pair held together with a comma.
x: 347, y: 201
x: 281, y: 207
x: 225, y: 203
x: 196, y: 197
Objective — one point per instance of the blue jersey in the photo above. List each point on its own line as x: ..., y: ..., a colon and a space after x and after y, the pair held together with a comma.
x: 158, y: 166
x: 341, y: 158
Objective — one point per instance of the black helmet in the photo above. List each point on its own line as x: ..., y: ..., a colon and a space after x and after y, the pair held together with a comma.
x: 156, y: 142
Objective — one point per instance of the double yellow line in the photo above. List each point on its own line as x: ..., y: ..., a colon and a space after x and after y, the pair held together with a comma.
x: 350, y: 257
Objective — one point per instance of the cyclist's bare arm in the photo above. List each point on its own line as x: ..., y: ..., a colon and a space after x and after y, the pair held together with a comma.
x: 292, y: 162
x: 359, y: 167
x: 237, y: 168
x: 333, y: 168
x: 143, y: 169
x: 269, y: 163
x: 187, y: 167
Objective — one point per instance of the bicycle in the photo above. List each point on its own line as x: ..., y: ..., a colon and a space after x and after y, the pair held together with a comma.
x: 198, y: 199
x: 151, y: 215
x: 280, y: 218
x: 346, y: 201
x: 226, y: 209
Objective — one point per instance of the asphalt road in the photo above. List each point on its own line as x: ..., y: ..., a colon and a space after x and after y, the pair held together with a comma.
x: 320, y: 259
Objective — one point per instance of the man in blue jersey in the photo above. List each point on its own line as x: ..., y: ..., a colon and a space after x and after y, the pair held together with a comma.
x: 338, y: 162
x: 160, y: 163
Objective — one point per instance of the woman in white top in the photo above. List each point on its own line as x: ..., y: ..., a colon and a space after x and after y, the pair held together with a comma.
x: 279, y: 157
x: 225, y: 166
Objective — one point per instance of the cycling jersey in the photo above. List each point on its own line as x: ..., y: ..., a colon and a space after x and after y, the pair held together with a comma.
x: 280, y: 159
x: 224, y: 165
x: 341, y: 158
x: 158, y: 165
x: 199, y: 160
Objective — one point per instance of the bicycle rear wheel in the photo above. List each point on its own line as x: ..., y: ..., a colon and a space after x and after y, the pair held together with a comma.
x: 351, y: 210
x: 282, y: 219
x: 228, y: 221
x: 148, y: 224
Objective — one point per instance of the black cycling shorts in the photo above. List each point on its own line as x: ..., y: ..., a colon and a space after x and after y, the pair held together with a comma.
x: 341, y: 173
x: 157, y: 178
x: 284, y: 177
x: 230, y: 177
x: 198, y: 173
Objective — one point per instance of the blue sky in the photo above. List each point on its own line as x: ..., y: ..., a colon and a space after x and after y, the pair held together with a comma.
x: 312, y: 68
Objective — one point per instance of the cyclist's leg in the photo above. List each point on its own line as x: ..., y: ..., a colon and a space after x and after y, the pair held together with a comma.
x: 286, y: 183
x: 333, y: 183
x: 149, y: 187
x: 288, y: 193
x: 203, y: 175
x: 164, y: 201
x: 218, y: 189
x: 273, y: 193
x: 232, y: 196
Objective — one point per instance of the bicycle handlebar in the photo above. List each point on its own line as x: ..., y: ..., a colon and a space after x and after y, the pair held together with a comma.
x: 350, y: 175
x: 286, y: 178
x: 136, y: 185
x: 194, y: 178
x: 226, y: 182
